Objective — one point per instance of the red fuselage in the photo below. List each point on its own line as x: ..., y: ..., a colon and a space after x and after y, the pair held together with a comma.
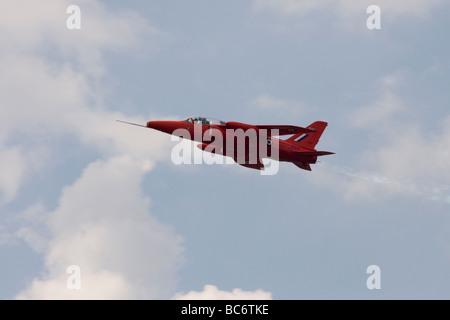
x: 294, y: 149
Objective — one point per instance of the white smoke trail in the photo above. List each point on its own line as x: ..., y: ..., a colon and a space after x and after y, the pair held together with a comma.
x: 429, y: 190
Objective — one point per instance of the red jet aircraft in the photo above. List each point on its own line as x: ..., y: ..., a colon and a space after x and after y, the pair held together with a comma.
x: 298, y: 149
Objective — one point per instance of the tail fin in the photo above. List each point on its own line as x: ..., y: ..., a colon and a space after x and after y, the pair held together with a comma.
x: 310, y: 139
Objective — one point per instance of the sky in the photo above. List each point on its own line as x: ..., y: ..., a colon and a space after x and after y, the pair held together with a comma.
x: 79, y: 189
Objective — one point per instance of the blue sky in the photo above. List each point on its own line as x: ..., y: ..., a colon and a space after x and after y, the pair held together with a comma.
x: 78, y: 188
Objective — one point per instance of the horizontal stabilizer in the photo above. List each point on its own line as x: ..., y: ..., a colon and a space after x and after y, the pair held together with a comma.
x: 313, y: 153
x: 302, y: 165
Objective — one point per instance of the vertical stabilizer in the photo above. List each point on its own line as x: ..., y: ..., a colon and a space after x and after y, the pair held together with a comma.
x: 310, y: 139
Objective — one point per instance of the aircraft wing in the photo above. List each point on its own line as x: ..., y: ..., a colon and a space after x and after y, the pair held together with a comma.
x: 258, y: 165
x: 282, y: 129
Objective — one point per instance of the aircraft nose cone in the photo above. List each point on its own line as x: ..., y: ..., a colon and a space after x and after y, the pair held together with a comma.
x: 164, y: 126
x: 154, y: 125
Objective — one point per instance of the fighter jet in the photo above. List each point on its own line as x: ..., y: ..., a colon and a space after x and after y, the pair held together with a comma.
x: 247, y: 144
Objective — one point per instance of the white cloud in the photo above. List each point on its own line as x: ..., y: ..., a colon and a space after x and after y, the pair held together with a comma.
x: 398, y: 8
x: 56, y: 106
x: 52, y: 89
x: 355, y: 185
x: 5, y: 235
x: 381, y: 110
x: 30, y: 27
x: 298, y: 7
x: 387, y: 105
x: 103, y: 225
x: 211, y: 292
x: 97, y: 285
x: 414, y: 153
x: 350, y: 9
x: 404, y: 159
x: 47, y: 95
x: 31, y: 220
x: 12, y: 178
x: 404, y: 151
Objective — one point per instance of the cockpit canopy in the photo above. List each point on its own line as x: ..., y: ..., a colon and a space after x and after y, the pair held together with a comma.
x: 204, y: 120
